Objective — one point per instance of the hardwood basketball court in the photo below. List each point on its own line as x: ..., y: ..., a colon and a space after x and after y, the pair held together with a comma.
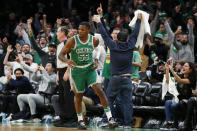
x: 41, y: 127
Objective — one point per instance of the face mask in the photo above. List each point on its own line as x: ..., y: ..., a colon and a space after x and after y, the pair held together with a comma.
x: 1, y: 51
x: 148, y: 73
x: 19, y: 77
x: 184, y: 43
x: 6, y: 72
x: 28, y: 64
x: 157, y: 42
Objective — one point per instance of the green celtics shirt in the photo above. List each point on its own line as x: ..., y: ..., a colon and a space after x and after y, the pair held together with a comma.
x: 106, y: 68
x: 81, y: 54
x: 135, y: 70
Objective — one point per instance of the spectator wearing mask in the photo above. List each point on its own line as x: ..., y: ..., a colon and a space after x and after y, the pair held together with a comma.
x: 20, y: 85
x: 156, y: 71
x: 159, y: 49
x: 185, y: 47
x: 47, y: 80
x: 171, y: 36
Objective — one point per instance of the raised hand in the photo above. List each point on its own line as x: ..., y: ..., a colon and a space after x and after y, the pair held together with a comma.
x: 21, y: 25
x: 20, y: 57
x: 167, y: 66
x: 9, y: 49
x: 178, y: 31
x: 29, y: 21
x: 100, y: 10
x: 9, y: 77
x: 38, y: 69
x: 171, y: 64
x: 44, y: 16
x: 139, y: 16
x: 41, y: 67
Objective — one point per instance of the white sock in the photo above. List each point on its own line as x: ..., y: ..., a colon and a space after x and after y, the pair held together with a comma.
x: 80, y: 116
x: 108, y: 112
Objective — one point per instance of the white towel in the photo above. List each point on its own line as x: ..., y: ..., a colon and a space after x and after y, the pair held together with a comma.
x: 171, y: 88
x: 144, y: 27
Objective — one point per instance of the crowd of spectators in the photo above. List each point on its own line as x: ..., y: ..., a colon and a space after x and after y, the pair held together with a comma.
x: 29, y: 48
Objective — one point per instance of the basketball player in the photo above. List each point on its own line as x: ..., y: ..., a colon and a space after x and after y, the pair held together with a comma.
x: 82, y: 71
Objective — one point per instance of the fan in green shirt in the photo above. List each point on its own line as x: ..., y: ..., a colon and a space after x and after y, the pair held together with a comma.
x: 136, y: 61
x: 106, y: 68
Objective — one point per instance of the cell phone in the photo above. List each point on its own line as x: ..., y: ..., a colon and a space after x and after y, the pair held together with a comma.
x: 179, y: 27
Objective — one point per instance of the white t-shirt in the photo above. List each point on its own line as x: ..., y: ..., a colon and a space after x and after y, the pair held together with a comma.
x: 101, y: 59
x: 60, y: 64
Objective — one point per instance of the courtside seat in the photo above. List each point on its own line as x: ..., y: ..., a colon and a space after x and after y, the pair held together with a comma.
x: 140, y: 92
x: 153, y: 97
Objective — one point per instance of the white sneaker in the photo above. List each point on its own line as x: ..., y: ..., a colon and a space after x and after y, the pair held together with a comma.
x: 102, y: 124
x: 9, y: 117
x: 36, y: 120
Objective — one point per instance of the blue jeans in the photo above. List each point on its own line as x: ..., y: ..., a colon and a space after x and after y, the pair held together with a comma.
x: 171, y: 110
x: 120, y: 89
x: 116, y: 111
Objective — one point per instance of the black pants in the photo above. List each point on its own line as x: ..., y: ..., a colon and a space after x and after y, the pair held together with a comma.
x: 190, y: 107
x: 8, y: 103
x: 64, y: 104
